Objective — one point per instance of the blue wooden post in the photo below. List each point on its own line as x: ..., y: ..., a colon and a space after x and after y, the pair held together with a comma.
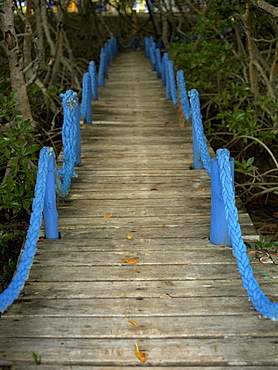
x: 107, y: 59
x: 93, y: 75
x: 167, y: 80
x: 219, y: 233
x: 165, y: 59
x: 86, y: 104
x: 49, y: 211
x: 158, y: 62
x: 197, y: 161
x: 101, y: 69
x: 78, y: 162
x: 147, y: 46
x: 152, y: 58
x: 172, y: 82
x: 183, y: 95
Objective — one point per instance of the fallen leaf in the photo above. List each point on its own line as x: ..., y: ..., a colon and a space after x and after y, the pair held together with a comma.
x: 166, y: 123
x: 163, y: 226
x: 129, y: 236
x: 203, y: 189
x: 142, y: 357
x: 126, y: 85
x: 40, y: 239
x: 83, y: 125
x: 132, y: 322
x: 153, y: 189
x: 147, y: 112
x: 190, y: 138
x: 109, y: 216
x: 116, y: 117
x: 130, y: 260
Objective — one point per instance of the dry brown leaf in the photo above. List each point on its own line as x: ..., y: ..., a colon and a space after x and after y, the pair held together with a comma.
x: 108, y: 216
x: 126, y: 85
x: 190, y: 138
x: 163, y: 226
x: 147, y: 111
x: 83, y: 125
x: 133, y: 322
x: 130, y: 260
x: 166, y: 123
x: 129, y: 236
x: 142, y: 357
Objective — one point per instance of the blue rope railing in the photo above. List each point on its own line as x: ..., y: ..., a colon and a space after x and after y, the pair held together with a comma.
x: 225, y: 228
x: 51, y: 181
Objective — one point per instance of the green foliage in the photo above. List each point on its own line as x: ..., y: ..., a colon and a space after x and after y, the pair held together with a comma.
x: 17, y: 151
x: 40, y: 102
x: 37, y: 358
x: 245, y: 167
x: 261, y: 244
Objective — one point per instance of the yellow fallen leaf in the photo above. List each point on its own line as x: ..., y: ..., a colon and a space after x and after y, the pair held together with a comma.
x: 133, y: 322
x: 108, y: 216
x: 203, y: 189
x: 147, y: 111
x: 142, y: 357
x: 163, y: 226
x: 129, y: 236
x: 190, y: 138
x: 130, y: 260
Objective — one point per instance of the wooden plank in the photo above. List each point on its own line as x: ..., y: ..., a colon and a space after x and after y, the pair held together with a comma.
x: 194, y: 230
x: 143, y: 222
x: 134, y: 307
x: 148, y: 327
x: 137, y: 289
x: 120, y: 352
x: 176, y: 194
x: 115, y: 258
x: 136, y: 272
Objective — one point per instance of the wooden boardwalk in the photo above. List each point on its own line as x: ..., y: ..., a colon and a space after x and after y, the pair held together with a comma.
x: 181, y: 300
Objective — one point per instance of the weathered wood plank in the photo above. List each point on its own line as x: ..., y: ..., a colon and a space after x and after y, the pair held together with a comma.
x: 154, y: 327
x: 145, y: 222
x: 115, y: 258
x: 177, y: 352
x: 137, y: 272
x: 137, y: 289
x: 134, y: 307
x: 194, y: 230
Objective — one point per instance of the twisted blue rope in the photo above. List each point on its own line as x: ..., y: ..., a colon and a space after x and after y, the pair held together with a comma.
x: 183, y: 95
x: 133, y: 41
x: 198, y: 128
x: 93, y: 74
x: 172, y: 82
x: 262, y: 304
x: 26, y: 259
x: 86, y: 104
x: 69, y: 103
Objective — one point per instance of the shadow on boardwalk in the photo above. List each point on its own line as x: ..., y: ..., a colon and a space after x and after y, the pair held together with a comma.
x: 181, y: 299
